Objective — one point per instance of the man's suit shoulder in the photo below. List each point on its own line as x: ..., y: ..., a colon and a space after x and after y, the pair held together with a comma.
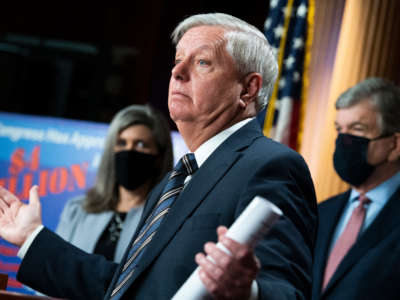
x: 261, y: 142
x: 266, y: 147
x: 329, y: 212
x: 333, y: 201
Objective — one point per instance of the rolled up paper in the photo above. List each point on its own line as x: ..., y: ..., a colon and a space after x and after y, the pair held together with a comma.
x: 253, y: 223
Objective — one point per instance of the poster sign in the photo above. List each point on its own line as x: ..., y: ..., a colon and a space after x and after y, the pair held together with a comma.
x: 61, y: 156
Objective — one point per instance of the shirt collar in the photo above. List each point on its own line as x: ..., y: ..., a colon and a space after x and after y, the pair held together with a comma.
x: 382, y: 192
x: 208, y: 147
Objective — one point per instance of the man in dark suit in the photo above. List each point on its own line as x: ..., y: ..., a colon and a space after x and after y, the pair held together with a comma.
x: 357, y: 254
x: 224, y: 72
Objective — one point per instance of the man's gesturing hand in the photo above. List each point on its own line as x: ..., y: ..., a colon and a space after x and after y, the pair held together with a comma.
x: 229, y: 276
x: 19, y: 220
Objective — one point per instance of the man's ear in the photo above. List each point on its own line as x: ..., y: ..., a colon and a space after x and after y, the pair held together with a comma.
x: 395, y: 153
x: 251, y: 86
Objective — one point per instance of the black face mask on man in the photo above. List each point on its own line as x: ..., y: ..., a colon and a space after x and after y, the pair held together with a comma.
x: 350, y: 158
x: 134, y: 168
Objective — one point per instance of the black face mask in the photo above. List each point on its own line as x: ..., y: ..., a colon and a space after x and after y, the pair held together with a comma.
x: 134, y: 168
x: 350, y: 158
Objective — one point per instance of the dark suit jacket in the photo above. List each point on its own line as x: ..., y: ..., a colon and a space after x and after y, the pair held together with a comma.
x: 371, y: 269
x: 245, y: 165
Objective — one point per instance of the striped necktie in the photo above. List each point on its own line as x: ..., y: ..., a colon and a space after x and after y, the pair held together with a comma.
x: 186, y: 166
x: 346, y: 239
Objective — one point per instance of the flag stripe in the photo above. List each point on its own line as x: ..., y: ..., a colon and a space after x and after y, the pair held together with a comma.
x: 289, y: 29
x: 307, y: 60
x: 271, y: 105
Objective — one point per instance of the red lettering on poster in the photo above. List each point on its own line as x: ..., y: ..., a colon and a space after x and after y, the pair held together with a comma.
x: 43, y: 178
x: 53, y: 181
x: 12, y: 184
x: 35, y: 158
x: 17, y: 161
x: 26, y: 186
x: 58, y: 180
x: 78, y: 175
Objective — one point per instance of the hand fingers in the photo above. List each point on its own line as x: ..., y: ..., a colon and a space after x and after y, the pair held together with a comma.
x: 221, y: 230
x: 243, y: 253
x: 219, y: 256
x: 212, y: 271
x: 7, y: 196
x: 238, y: 250
x: 225, y: 267
x: 34, y: 195
x: 213, y: 287
x: 3, y: 206
x: 211, y: 276
x: 221, y: 274
x: 209, y: 283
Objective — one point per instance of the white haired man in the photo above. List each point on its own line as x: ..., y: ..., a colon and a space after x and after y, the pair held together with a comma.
x: 223, y: 74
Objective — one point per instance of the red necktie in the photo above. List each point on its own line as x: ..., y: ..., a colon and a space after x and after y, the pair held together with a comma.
x: 346, y: 239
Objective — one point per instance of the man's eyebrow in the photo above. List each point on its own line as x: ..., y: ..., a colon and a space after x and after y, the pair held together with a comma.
x: 355, y: 123
x: 358, y: 123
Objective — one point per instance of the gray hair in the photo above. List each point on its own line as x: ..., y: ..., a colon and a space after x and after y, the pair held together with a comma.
x: 245, y: 43
x: 104, y: 194
x: 383, y: 94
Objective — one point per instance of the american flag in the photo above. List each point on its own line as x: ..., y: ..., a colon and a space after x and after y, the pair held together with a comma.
x: 288, y: 29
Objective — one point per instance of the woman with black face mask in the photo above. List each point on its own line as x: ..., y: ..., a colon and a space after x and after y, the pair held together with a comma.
x: 137, y: 155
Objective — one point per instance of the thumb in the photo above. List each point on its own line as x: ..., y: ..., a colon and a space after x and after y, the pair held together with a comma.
x: 221, y: 231
x: 34, y: 195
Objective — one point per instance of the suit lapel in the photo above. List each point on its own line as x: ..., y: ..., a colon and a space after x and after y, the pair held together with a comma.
x: 92, y: 226
x: 196, y: 191
x: 375, y: 233
x: 330, y: 213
